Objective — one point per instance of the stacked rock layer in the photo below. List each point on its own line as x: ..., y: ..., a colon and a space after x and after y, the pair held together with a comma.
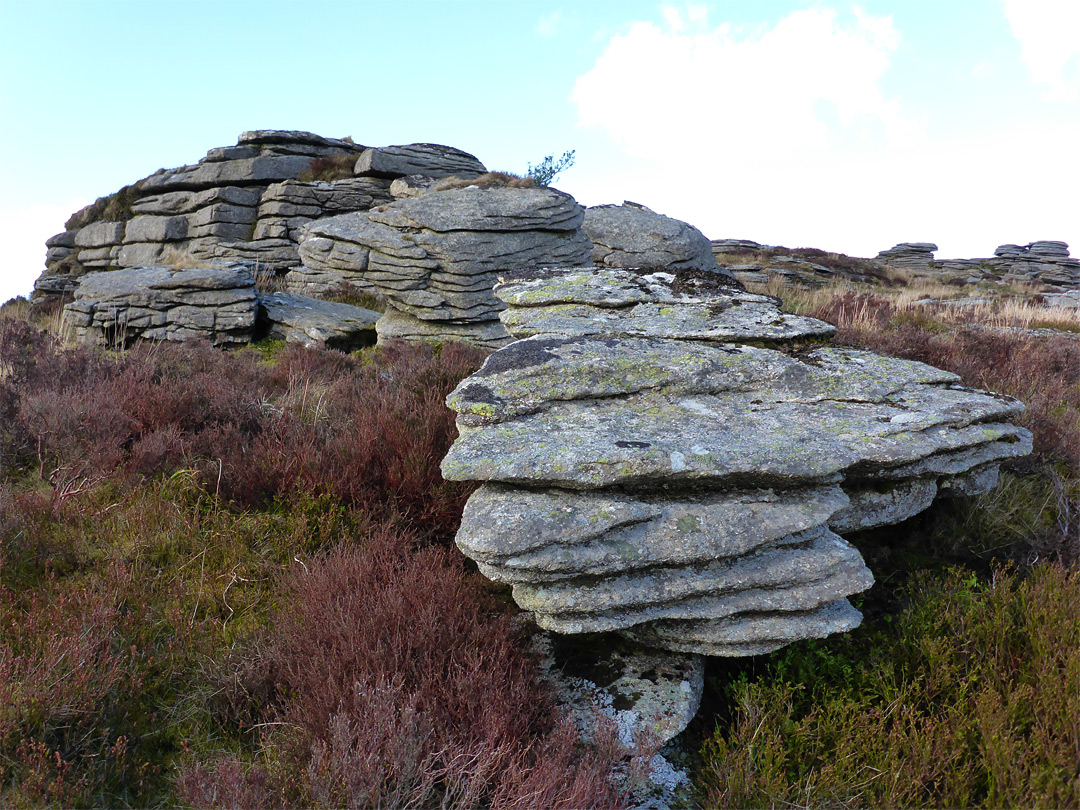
x: 434, y: 258
x: 240, y: 203
x: 662, y: 459
x: 218, y: 304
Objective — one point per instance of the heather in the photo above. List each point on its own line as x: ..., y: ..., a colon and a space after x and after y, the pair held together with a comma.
x: 227, y: 578
x: 959, y: 688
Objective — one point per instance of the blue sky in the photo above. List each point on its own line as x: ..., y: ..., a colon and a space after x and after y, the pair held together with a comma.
x: 843, y: 126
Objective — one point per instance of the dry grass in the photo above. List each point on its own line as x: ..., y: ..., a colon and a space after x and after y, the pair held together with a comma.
x: 180, y: 259
x: 926, y: 295
x: 488, y: 180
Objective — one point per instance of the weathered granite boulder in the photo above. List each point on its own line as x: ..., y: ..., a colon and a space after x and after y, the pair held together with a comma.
x: 311, y: 322
x: 631, y: 235
x: 661, y: 458
x: 434, y: 258
x: 162, y: 303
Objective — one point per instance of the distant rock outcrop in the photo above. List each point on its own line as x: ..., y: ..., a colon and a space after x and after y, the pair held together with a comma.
x: 909, y: 255
x: 651, y: 468
x: 245, y: 203
x: 1045, y: 262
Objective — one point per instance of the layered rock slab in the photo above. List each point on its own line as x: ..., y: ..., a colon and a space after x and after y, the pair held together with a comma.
x: 116, y: 308
x: 434, y: 258
x: 684, y: 487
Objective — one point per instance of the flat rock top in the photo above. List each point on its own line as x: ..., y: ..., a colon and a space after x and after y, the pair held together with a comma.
x: 304, y: 311
x: 535, y: 373
x: 484, y: 209
x: 292, y: 136
x: 682, y: 304
x: 584, y: 412
x: 603, y: 287
x: 120, y: 282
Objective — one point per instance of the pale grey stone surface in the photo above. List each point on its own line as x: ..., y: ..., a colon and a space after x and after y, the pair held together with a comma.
x: 324, y: 283
x: 186, y: 202
x: 100, y: 234
x: 148, y: 228
x: 629, y: 235
x: 435, y: 257
x: 397, y: 325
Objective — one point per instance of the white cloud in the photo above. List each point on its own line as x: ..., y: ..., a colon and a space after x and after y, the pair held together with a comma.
x: 23, y: 231
x: 1049, y: 35
x: 793, y: 90
x: 785, y: 135
x: 549, y: 24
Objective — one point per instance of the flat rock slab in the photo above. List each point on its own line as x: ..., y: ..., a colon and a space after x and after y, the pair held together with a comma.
x: 311, y: 322
x: 736, y: 439
x: 683, y: 305
x: 748, y: 633
x: 397, y: 325
x: 800, y: 572
x: 537, y: 373
x: 546, y: 535
x: 431, y: 159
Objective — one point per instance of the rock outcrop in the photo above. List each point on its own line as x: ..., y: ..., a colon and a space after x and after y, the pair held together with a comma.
x: 244, y: 203
x: 434, y: 258
x: 663, y: 455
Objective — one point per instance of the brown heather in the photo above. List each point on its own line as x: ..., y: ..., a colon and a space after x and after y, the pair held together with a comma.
x: 227, y: 577
x: 487, y: 180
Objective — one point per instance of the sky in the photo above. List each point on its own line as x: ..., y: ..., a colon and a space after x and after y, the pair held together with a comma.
x: 807, y: 123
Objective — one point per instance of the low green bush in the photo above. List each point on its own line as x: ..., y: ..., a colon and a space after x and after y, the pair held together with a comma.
x: 967, y: 698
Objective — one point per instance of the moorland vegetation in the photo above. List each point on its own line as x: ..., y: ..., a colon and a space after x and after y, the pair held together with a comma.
x: 229, y: 579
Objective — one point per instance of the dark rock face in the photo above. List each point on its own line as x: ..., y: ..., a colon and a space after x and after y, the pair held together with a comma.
x: 311, y: 322
x: 242, y: 203
x: 656, y: 462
